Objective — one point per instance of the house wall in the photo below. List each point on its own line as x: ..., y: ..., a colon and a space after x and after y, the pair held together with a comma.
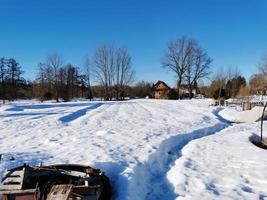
x: 163, y: 94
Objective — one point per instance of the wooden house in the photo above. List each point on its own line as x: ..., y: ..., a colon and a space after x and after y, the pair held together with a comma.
x: 161, y: 90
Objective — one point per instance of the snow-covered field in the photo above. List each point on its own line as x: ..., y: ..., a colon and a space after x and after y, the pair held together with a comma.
x: 151, y: 149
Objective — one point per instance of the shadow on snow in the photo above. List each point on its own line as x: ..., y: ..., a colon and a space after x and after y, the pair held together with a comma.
x: 46, y: 106
x: 79, y: 113
x: 27, y: 114
x: 115, y: 173
x: 65, y: 119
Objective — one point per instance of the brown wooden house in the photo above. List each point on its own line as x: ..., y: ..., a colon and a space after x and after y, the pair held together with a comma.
x: 161, y: 90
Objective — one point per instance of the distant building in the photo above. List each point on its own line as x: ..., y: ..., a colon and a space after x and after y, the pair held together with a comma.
x: 184, y: 91
x: 161, y: 90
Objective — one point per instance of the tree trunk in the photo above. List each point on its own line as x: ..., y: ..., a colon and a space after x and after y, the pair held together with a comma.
x: 190, y: 91
x: 178, y: 89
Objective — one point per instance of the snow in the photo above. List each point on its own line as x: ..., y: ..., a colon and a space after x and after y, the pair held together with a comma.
x: 230, y: 113
x: 225, y: 165
x: 235, y: 115
x: 222, y: 166
x: 150, y: 149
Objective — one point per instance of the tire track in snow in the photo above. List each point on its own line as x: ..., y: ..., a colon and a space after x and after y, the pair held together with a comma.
x: 150, y: 178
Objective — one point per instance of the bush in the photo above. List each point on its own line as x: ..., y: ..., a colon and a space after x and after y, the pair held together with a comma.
x: 47, y: 96
x: 173, y: 94
x: 215, y: 94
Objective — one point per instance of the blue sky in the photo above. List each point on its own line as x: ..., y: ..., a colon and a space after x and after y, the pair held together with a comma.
x: 234, y: 32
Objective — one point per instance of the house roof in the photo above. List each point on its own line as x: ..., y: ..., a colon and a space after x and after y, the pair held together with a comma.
x: 161, y: 82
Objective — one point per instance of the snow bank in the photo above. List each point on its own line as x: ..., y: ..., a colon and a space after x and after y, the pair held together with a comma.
x: 232, y: 114
x: 222, y: 166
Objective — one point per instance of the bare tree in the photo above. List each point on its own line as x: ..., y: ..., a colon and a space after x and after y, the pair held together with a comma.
x: 189, y: 62
x: 45, y: 77
x: 112, y: 68
x: 103, y: 68
x: 198, y: 66
x: 61, y: 82
x: 55, y: 61
x: 232, y: 72
x: 124, y: 73
x: 176, y: 58
x: 217, y: 87
x: 244, y: 91
x: 88, y: 72
x: 142, y: 89
x: 257, y: 83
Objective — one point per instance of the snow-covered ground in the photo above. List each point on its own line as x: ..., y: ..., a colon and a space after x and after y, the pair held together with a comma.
x: 222, y: 166
x: 151, y: 149
x: 225, y: 165
x: 234, y: 114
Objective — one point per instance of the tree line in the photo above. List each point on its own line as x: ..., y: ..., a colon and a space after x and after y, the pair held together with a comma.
x: 108, y: 74
x: 231, y: 84
x: 109, y: 66
x: 228, y: 84
x: 55, y: 80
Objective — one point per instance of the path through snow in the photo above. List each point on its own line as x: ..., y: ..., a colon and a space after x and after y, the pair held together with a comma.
x: 152, y: 173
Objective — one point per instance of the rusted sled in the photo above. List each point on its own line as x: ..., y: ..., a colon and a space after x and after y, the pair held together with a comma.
x: 55, y: 182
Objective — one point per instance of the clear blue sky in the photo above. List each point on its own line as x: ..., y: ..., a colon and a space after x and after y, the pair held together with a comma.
x: 234, y: 32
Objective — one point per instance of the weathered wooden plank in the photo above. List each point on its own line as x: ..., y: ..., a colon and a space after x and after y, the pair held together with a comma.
x: 18, y: 191
x: 14, y: 173
x: 13, y: 180
x: 60, y: 192
x: 11, y: 187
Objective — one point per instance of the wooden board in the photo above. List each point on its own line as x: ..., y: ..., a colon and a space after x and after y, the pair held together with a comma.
x: 60, y: 192
x: 13, y: 180
x: 14, y: 173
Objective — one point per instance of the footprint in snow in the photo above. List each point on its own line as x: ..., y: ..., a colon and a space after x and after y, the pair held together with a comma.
x: 101, y: 133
